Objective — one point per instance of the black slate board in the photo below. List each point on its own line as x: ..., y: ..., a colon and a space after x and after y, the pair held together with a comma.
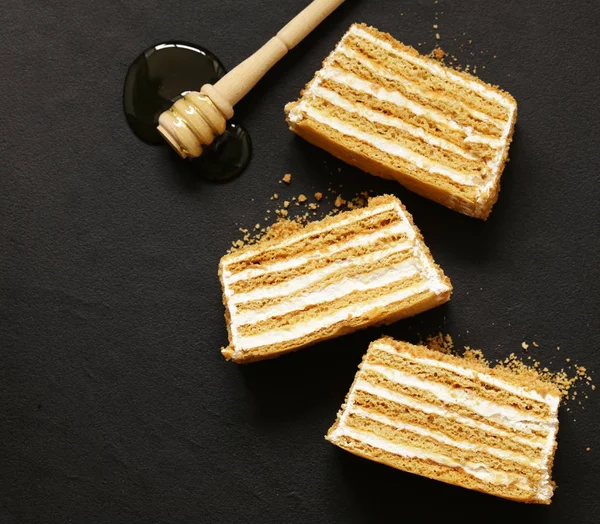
x: 116, y: 405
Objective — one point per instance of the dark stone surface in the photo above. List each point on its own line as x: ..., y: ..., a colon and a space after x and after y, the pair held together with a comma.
x: 115, y: 403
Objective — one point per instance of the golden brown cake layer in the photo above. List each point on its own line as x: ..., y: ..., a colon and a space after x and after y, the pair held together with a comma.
x: 453, y: 420
x: 379, y: 105
x: 331, y: 277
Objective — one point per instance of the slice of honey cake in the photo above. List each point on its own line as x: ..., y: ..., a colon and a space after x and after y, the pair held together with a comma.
x: 343, y: 273
x: 452, y: 419
x: 381, y: 106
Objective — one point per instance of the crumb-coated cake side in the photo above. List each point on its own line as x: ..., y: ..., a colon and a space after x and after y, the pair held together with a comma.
x: 381, y: 106
x: 306, y: 284
x: 452, y: 419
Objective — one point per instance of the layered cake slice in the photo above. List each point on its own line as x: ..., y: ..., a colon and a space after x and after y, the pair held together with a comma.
x: 379, y: 105
x: 452, y: 419
x: 331, y: 277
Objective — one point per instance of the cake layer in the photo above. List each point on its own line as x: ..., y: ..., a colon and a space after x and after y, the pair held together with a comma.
x: 453, y: 420
x: 381, y: 106
x: 331, y: 277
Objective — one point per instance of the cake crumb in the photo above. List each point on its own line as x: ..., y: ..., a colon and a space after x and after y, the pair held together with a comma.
x: 439, y: 53
x: 440, y: 342
x: 302, y: 198
x: 339, y: 201
x: 283, y: 212
x: 437, y: 36
x: 525, y: 345
x: 287, y: 178
x: 318, y: 196
x: 257, y: 226
x: 535, y: 344
x: 312, y: 205
x: 435, y: 26
x: 275, y: 196
x: 587, y: 449
x: 286, y: 204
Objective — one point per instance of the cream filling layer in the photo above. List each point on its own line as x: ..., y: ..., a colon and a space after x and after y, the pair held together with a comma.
x: 425, y: 407
x: 356, y: 216
x: 358, y: 241
x: 298, y: 283
x: 552, y: 401
x: 387, y: 146
x: 477, y: 470
x: 440, y: 437
x: 391, y: 121
x: 500, y: 413
x: 496, y: 164
x: 346, y: 285
x: 299, y: 330
x: 394, y: 97
x: 412, y: 87
x: 435, y: 69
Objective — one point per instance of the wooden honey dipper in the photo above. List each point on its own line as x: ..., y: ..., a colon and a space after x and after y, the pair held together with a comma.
x: 198, y: 117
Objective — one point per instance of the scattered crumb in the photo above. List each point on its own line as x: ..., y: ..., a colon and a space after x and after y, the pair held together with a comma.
x: 587, y: 449
x: 535, y: 344
x: 287, y: 178
x: 525, y: 345
x: 440, y: 342
x: 439, y: 53
x: 474, y: 354
x: 435, y: 26
x: 330, y: 201
x: 437, y: 36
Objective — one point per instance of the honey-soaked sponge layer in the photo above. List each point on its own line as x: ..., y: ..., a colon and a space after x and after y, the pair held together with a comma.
x: 303, y: 285
x: 379, y: 105
x: 453, y: 420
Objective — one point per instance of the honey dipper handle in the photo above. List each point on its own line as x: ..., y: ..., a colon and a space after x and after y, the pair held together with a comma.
x: 236, y: 84
x: 302, y: 24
